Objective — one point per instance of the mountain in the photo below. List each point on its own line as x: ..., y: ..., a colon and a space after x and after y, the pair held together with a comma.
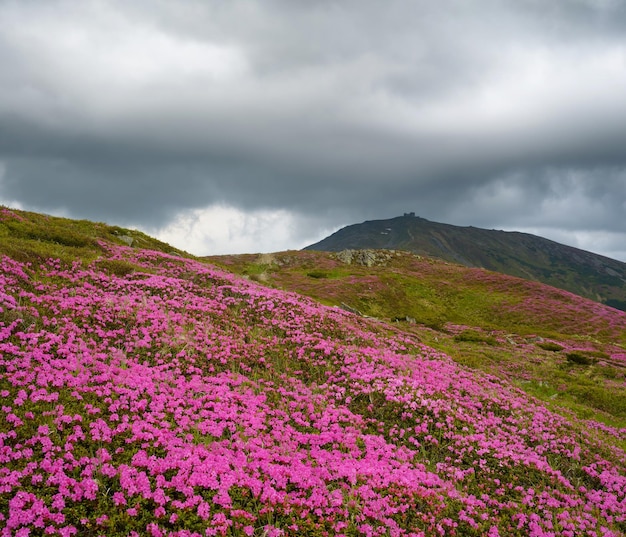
x: 517, y: 254
x: 148, y: 392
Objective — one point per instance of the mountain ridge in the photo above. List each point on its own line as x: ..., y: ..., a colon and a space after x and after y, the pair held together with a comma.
x: 510, y: 252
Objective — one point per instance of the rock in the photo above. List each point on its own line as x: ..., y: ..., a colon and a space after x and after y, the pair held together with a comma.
x: 345, y: 256
x: 407, y: 319
x: 261, y: 277
x: 127, y: 239
x: 350, y: 309
x: 366, y: 258
x: 266, y: 259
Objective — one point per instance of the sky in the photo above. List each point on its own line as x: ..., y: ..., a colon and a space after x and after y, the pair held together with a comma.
x: 242, y: 126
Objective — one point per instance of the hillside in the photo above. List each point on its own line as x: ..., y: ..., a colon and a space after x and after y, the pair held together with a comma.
x: 517, y: 254
x: 148, y: 393
x: 530, y: 334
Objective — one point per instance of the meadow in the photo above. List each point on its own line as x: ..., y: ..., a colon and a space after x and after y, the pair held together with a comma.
x: 567, y: 350
x: 144, y: 392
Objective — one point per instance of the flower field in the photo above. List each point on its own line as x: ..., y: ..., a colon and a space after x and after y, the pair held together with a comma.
x: 144, y: 393
x: 565, y: 349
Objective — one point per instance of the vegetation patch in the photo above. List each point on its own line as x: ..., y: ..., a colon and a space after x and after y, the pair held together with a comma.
x: 318, y: 274
x: 473, y: 336
x: 117, y: 267
x: 580, y: 358
x: 550, y: 346
x: 599, y: 398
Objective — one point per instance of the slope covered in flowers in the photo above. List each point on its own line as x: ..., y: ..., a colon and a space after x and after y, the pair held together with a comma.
x: 565, y: 349
x: 147, y: 394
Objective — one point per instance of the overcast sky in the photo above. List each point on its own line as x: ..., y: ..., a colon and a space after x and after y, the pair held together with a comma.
x: 247, y: 126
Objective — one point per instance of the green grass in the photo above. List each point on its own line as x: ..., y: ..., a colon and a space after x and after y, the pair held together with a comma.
x: 33, y: 237
x: 474, y: 336
x: 324, y: 274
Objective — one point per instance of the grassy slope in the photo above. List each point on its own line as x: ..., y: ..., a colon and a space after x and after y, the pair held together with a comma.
x: 145, y: 393
x: 33, y: 237
x: 519, y: 330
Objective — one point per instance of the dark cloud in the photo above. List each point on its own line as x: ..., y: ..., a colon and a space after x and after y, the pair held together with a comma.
x: 501, y: 115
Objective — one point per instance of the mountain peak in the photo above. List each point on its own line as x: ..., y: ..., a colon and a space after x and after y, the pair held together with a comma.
x: 509, y: 252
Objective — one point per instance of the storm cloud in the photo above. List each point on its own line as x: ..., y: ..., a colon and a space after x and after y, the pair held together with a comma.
x: 264, y: 125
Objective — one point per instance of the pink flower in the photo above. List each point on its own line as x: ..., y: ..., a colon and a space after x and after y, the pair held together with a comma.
x: 204, y: 511
x: 119, y: 498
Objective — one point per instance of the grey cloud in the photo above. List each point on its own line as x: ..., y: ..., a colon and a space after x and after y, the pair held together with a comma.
x: 549, y: 198
x: 501, y: 114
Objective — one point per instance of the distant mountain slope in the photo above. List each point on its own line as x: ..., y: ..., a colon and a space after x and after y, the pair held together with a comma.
x: 517, y: 254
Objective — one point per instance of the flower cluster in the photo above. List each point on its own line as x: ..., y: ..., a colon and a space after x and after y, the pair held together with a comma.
x: 180, y: 400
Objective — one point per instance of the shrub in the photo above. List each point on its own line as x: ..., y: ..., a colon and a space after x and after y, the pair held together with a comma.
x: 598, y: 397
x: 580, y: 359
x: 473, y: 336
x: 116, y: 266
x: 317, y: 274
x: 550, y: 346
x: 598, y: 354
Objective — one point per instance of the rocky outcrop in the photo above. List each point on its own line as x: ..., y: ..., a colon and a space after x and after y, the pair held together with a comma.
x: 366, y: 258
